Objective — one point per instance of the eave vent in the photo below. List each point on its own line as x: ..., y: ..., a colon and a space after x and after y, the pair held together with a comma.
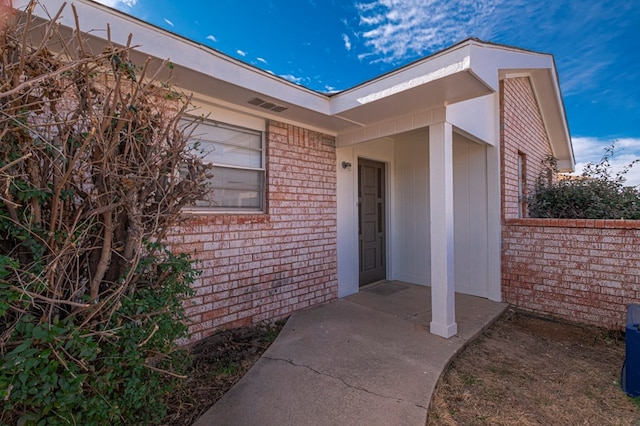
x: 267, y: 105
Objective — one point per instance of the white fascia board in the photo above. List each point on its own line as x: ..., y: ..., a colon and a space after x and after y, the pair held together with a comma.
x: 417, y: 81
x: 488, y: 62
x: 407, y: 78
x: 545, y: 86
x: 161, y: 44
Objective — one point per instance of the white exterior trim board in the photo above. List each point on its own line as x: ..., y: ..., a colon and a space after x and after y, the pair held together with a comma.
x: 413, y: 121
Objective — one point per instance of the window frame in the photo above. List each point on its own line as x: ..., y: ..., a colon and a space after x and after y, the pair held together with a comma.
x: 522, y: 185
x: 262, y: 199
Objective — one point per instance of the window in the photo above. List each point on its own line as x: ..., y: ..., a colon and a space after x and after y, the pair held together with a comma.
x: 522, y: 185
x: 237, y: 155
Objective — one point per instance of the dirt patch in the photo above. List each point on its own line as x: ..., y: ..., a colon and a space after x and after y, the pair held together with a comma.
x: 526, y: 370
x: 218, y: 362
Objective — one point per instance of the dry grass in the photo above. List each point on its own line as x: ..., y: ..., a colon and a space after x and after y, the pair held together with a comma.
x: 531, y: 371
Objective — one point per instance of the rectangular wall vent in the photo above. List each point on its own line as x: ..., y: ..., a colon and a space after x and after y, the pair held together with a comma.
x: 256, y: 101
x: 267, y: 105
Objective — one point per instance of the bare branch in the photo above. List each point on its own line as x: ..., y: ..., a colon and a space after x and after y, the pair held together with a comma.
x: 105, y: 257
x: 53, y: 74
x: 167, y: 372
x: 16, y: 161
x: 48, y: 299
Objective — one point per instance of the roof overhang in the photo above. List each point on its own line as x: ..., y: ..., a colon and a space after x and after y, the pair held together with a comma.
x: 465, y: 71
x: 496, y: 62
x: 433, y: 82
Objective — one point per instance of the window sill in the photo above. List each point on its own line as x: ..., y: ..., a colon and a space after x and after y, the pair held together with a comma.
x: 206, y: 212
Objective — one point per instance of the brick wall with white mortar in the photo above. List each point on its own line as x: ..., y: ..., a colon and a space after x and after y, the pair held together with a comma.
x: 522, y: 131
x: 581, y: 270
x: 258, y: 267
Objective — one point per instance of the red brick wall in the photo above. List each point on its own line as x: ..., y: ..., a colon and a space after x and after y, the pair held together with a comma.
x: 581, y: 270
x: 522, y: 130
x: 264, y: 266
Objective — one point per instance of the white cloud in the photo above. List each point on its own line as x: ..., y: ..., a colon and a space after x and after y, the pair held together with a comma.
x: 591, y: 150
x: 168, y: 22
x: 347, y: 41
x: 371, y: 20
x: 588, y: 43
x: 292, y: 78
x: 362, y: 56
x: 395, y: 29
x: 329, y: 90
x: 116, y: 3
x: 241, y: 52
x: 212, y: 38
x: 264, y: 61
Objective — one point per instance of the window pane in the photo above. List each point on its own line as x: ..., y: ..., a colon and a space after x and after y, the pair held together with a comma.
x: 235, y: 189
x: 232, y: 147
x: 218, y: 153
x: 237, y: 154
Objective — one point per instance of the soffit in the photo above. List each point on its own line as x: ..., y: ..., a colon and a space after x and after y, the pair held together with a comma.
x: 453, y: 88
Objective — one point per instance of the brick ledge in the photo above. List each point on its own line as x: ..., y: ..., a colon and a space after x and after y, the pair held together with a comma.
x: 575, y: 223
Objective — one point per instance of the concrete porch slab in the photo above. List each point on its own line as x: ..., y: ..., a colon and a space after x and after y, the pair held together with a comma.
x: 366, y: 359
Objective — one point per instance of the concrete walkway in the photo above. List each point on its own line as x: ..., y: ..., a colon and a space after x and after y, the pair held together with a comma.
x: 368, y: 359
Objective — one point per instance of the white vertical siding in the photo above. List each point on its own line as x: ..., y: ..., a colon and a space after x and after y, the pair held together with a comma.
x: 408, y: 237
x: 347, y: 222
x: 411, y: 240
x: 470, y: 216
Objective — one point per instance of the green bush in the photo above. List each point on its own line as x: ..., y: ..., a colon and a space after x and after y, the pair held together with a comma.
x: 66, y: 372
x: 95, y: 167
x: 597, y: 193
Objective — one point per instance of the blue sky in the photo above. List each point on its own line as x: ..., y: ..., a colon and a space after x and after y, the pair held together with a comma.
x: 333, y: 45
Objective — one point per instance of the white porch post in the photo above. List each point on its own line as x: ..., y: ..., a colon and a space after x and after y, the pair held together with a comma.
x: 443, y: 320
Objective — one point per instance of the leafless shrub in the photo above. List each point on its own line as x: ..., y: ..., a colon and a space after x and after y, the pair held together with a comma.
x: 95, y: 167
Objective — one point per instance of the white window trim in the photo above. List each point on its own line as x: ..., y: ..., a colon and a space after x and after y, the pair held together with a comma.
x: 210, y: 210
x: 522, y: 181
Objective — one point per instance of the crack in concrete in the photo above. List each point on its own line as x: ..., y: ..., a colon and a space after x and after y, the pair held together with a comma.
x: 403, y: 318
x: 288, y: 361
x: 416, y: 315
